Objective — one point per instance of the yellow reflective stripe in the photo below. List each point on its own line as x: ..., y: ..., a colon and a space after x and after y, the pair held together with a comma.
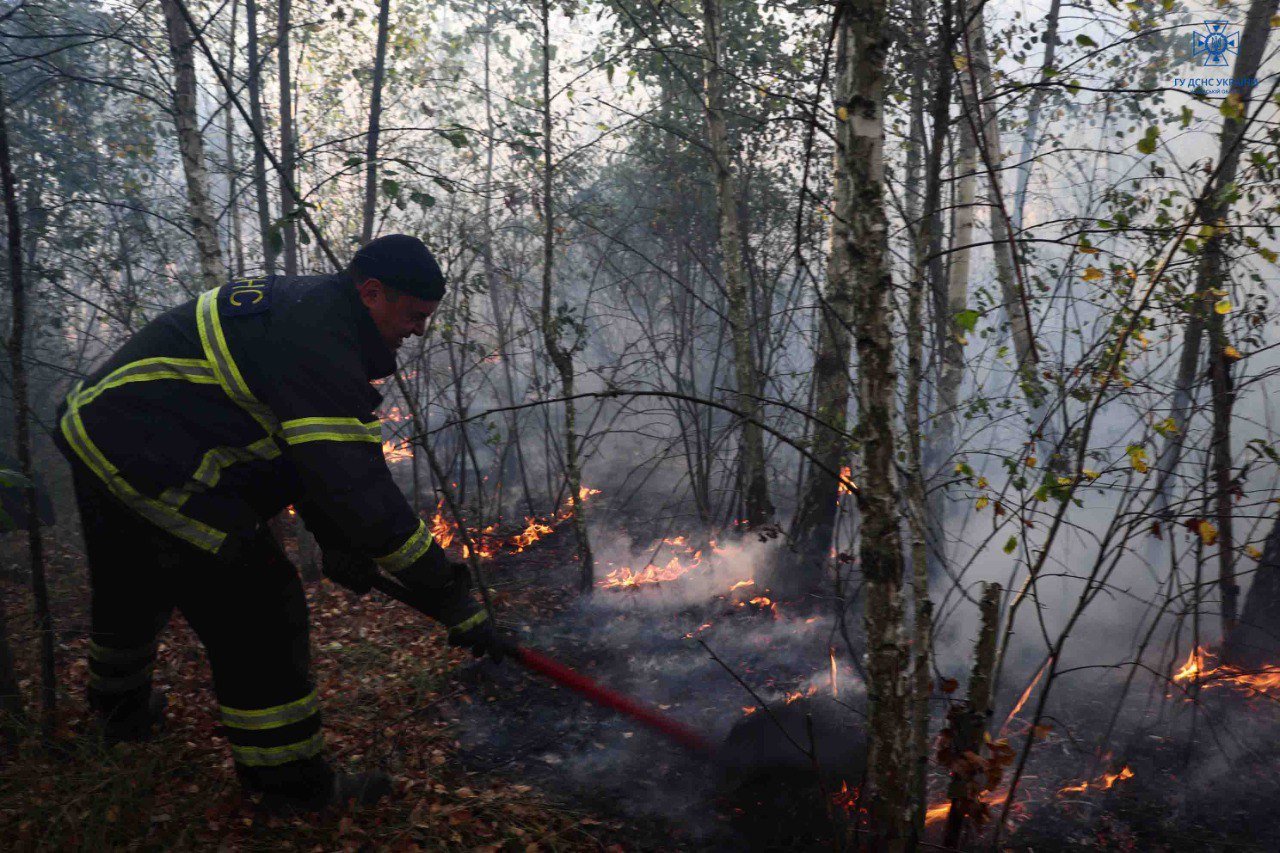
x: 258, y: 756
x: 469, y: 623
x: 224, y: 366
x: 214, y: 462
x: 195, y: 370
x: 408, y: 553
x: 188, y: 529
x: 123, y: 683
x: 301, y: 430
x: 274, y: 717
x: 121, y: 657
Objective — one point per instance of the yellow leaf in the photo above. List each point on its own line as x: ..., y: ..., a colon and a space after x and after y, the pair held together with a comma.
x: 1031, y: 462
x: 1088, y: 250
x: 1223, y: 306
x: 1090, y: 473
x: 981, y: 503
x: 1168, y: 426
x: 1092, y: 274
x: 1064, y: 481
x: 1208, y: 533
x: 1138, y: 458
x: 961, y: 62
x: 842, y: 113
x: 1252, y: 551
x: 982, y: 482
x: 1231, y: 353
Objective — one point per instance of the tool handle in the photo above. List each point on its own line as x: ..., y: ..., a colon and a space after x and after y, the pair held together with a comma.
x: 559, y: 673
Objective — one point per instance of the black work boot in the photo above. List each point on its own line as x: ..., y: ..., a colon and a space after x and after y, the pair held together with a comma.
x: 134, y: 723
x: 311, y: 785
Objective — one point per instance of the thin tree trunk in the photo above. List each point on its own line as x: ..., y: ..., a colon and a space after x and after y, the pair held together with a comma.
x: 288, y: 146
x: 191, y: 145
x: 259, y: 154
x: 862, y: 43
x: 917, y: 506
x: 1012, y: 291
x: 951, y: 334
x: 375, y: 122
x: 969, y: 721
x: 753, y: 474
x: 1255, y: 642
x: 22, y: 431
x: 229, y: 147
x: 1032, y: 133
x: 1210, y: 276
x: 491, y: 276
x: 560, y: 356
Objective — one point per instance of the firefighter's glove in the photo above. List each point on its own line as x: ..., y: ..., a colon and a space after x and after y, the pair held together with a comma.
x: 477, y: 634
x: 354, y: 571
x: 466, y: 618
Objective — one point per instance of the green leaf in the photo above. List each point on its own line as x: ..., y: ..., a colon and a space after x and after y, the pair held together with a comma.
x: 390, y: 188
x: 1084, y: 41
x: 1147, y: 144
x: 967, y: 319
x: 1011, y: 544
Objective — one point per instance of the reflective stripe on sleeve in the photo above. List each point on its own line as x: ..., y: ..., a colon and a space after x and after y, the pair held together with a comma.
x: 271, y: 756
x: 165, y: 517
x: 214, y: 462
x: 216, y: 350
x: 274, y: 717
x: 331, y: 429
x: 470, y: 622
x: 408, y: 553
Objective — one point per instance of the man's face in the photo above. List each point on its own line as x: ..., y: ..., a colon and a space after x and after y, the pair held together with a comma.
x: 397, y: 315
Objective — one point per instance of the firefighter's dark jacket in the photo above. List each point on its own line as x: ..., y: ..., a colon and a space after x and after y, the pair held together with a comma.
x: 256, y: 395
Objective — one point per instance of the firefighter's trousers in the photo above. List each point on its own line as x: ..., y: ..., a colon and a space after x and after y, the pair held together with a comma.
x: 250, y: 614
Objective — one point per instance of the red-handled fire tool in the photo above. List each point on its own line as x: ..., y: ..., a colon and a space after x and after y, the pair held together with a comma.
x: 559, y: 673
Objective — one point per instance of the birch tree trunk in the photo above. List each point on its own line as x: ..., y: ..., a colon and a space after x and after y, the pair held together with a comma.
x: 753, y: 476
x: 288, y: 146
x: 917, y: 505
x: 22, y: 428
x: 261, y: 190
x: 191, y: 146
x: 552, y: 326
x: 375, y: 122
x: 862, y: 43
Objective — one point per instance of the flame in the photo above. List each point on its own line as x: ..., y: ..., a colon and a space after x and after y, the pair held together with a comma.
x: 489, y: 543
x: 939, y: 811
x: 1201, y: 667
x: 835, y: 683
x: 846, y: 476
x: 625, y: 577
x: 741, y: 584
x: 1103, y: 783
x: 1026, y: 694
x: 397, y: 451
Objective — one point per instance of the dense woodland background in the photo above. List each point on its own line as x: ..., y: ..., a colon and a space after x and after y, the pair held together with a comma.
x: 998, y: 268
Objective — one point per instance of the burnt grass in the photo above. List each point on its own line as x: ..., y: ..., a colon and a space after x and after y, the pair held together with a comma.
x: 489, y: 757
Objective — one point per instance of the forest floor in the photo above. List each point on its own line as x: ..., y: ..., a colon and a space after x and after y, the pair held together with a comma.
x: 384, y: 675
x: 487, y: 757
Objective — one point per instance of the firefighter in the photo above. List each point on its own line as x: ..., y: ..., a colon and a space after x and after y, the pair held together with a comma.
x: 209, y: 421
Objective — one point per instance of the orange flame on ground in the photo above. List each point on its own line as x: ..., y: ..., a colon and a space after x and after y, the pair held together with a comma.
x: 625, y: 577
x: 835, y: 683
x: 487, y: 540
x: 1201, y: 666
x: 939, y: 811
x: 1102, y: 783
